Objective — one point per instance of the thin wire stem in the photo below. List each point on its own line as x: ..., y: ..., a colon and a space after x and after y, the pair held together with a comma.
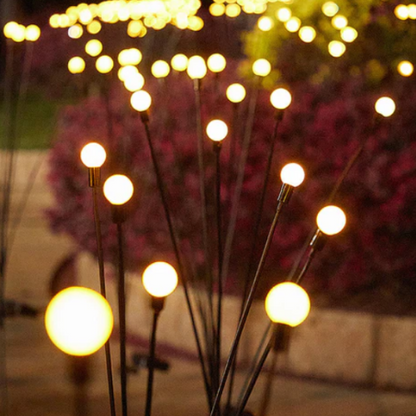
x: 172, y: 233
x: 151, y: 364
x: 247, y: 307
x: 100, y: 257
x: 269, y: 384
x: 122, y: 318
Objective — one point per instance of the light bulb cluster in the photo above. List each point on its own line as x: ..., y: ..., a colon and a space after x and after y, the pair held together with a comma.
x: 19, y: 33
x: 405, y: 11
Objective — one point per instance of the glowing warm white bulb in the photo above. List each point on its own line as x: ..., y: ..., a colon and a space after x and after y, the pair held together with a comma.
x: 93, y: 47
x: 104, y: 64
x: 9, y: 29
x: 280, y: 98
x: 412, y: 11
x: 94, y: 27
x: 32, y: 33
x: 118, y: 189
x: 134, y: 82
x: 348, y: 34
x: 141, y: 100
x: 284, y: 14
x: 76, y: 65
x: 330, y: 9
x: 217, y: 9
x: 331, y: 220
x: 292, y: 174
x: 18, y: 33
x: 236, y: 93
x: 265, y: 23
x: 262, y: 67
x: 126, y: 72
x: 405, y: 68
x: 287, y: 303
x: 197, y: 68
x: 216, y: 63
x: 402, y: 12
x: 130, y: 56
x: 385, y: 106
x: 307, y: 34
x: 336, y: 48
x: 179, y: 62
x: 160, y: 279
x: 78, y: 321
x: 217, y: 130
x: 293, y: 24
x: 160, y: 69
x: 75, y: 32
x: 339, y: 21
x: 233, y: 10
x: 93, y: 155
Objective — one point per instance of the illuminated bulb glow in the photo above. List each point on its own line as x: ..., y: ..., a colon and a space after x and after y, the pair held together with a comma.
x: 330, y: 9
x: 217, y: 9
x: 336, y: 48
x: 265, y: 23
x: 236, y: 93
x: 401, y: 12
x: 293, y: 24
x: 18, y: 33
x: 307, y: 34
x: 93, y: 155
x: 130, y: 56
x: 134, y: 82
x: 94, y: 27
x: 331, y: 220
x: 160, y: 69
x: 217, y: 130
x: 262, y: 67
x: 79, y: 321
x: 292, y: 174
x: 75, y: 32
x: 104, y: 64
x: 233, y: 10
x: 118, y: 189
x: 197, y: 68
x: 385, y: 106
x: 9, y: 29
x: 339, y: 21
x: 93, y: 47
x: 280, y: 98
x: 405, y: 68
x: 283, y: 14
x: 160, y: 279
x: 76, y: 65
x: 141, y: 100
x: 32, y: 33
x: 287, y: 303
x: 127, y: 71
x: 216, y: 62
x: 412, y: 11
x: 179, y: 62
x: 348, y: 34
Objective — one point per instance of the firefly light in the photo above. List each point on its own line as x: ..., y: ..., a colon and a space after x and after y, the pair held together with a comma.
x: 179, y: 62
x: 283, y: 14
x: 141, y: 100
x: 118, y: 189
x: 134, y: 82
x: 292, y: 174
x: 262, y: 67
x: 236, y: 93
x: 93, y: 47
x: 197, y: 68
x: 331, y: 220
x: 265, y: 23
x: 405, y: 68
x: 217, y: 130
x: 93, y: 155
x: 9, y: 29
x: 216, y: 63
x: 76, y: 65
x: 280, y: 98
x: 307, y: 34
x: 32, y: 33
x: 287, y: 303
x: 104, y: 64
x: 339, y: 21
x: 293, y: 24
x: 401, y: 12
x: 385, y: 106
x: 160, y: 279
x: 330, y: 9
x: 336, y: 48
x: 348, y: 34
x: 160, y: 69
x: 78, y: 321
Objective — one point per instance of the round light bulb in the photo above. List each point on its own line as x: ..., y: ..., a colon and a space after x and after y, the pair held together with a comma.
x: 292, y: 174
x: 134, y: 82
x: 93, y: 47
x: 412, y: 11
x: 293, y: 24
x: 160, y: 279
x: 75, y: 32
x: 217, y: 9
x: 405, y: 68
x: 280, y: 98
x: 217, y: 130
x: 76, y: 65
x: 401, y: 12
x: 339, y: 21
x: 262, y: 67
x: 94, y: 27
x: 331, y: 220
x: 348, y: 34
x: 118, y: 189
x: 179, y: 62
x: 385, y: 106
x: 287, y: 303
x: 141, y: 100
x: 265, y: 23
x: 130, y: 56
x: 93, y: 155
x: 307, y: 34
x: 104, y: 64
x: 126, y: 72
x: 233, y: 10
x: 197, y: 68
x: 330, y: 9
x: 236, y: 93
x: 32, y: 33
x: 9, y: 29
x: 216, y: 63
x: 336, y: 48
x: 78, y: 321
x: 19, y: 34
x: 284, y: 14
x: 160, y: 69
